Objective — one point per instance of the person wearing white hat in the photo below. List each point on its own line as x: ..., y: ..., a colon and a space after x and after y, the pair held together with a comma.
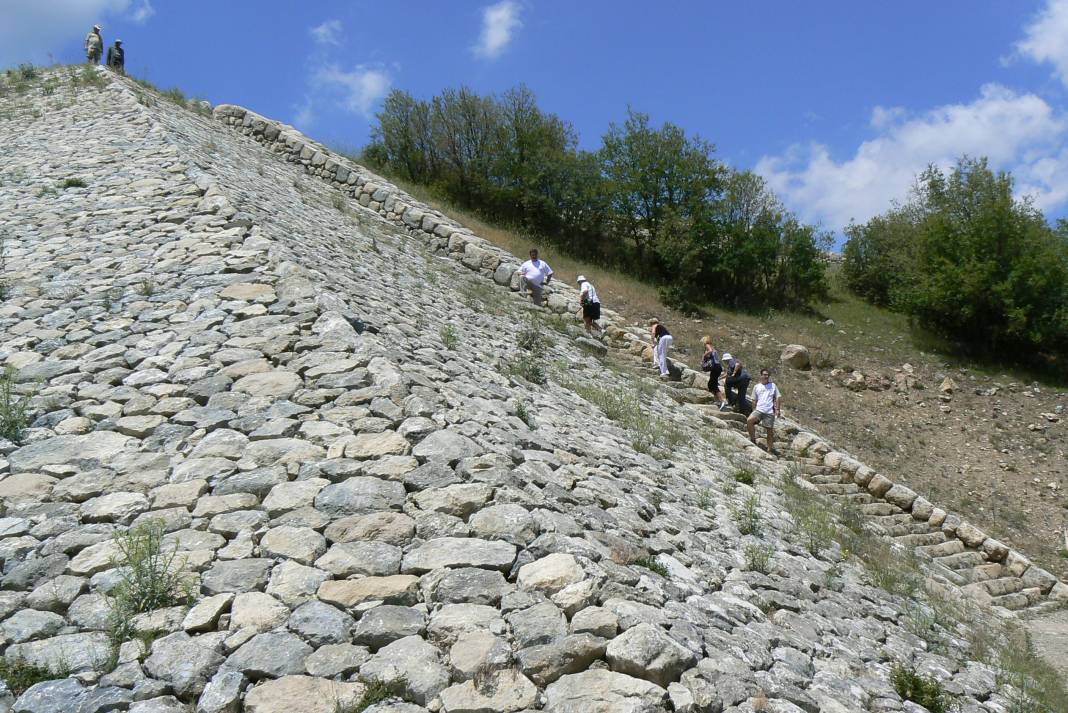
x: 736, y: 385
x: 94, y: 45
x: 591, y: 305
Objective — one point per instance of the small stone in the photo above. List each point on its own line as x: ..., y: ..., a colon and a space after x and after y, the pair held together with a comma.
x: 504, y: 691
x: 550, y: 574
x: 386, y: 624
x: 646, y: 651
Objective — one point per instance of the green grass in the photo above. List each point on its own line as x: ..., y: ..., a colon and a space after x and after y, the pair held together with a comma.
x: 925, y: 691
x: 649, y: 434
x: 20, y: 675
x: 744, y: 474
x: 376, y: 693
x: 652, y: 565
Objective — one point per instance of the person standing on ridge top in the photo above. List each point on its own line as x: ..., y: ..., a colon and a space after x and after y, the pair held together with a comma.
x: 535, y: 274
x: 767, y: 408
x: 116, y: 58
x: 591, y: 305
x: 94, y: 45
x: 662, y: 341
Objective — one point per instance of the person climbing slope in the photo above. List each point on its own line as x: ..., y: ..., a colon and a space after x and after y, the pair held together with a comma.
x: 736, y: 385
x: 591, y: 305
x: 535, y: 275
x: 767, y: 407
x: 712, y: 363
x: 662, y: 341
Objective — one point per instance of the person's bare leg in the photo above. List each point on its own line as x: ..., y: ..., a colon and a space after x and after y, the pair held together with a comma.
x: 750, y: 425
x: 771, y: 439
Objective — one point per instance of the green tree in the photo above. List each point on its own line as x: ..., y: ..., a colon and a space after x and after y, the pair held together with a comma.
x: 969, y: 260
x: 403, y: 138
x: 656, y: 176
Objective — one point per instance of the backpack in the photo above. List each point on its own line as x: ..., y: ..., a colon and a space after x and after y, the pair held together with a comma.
x: 710, y: 361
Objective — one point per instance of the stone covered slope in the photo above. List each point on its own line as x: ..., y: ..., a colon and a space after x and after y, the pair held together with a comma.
x: 358, y: 509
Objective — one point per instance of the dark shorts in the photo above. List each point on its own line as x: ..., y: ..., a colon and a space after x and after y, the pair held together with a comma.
x: 713, y: 379
x: 591, y: 310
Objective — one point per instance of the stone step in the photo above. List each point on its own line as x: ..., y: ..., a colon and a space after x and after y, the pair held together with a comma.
x: 829, y: 478
x: 1002, y: 585
x: 899, y: 519
x: 856, y: 499
x: 962, y: 560
x: 951, y: 546
x: 810, y: 469
x: 922, y: 539
x: 985, y: 572
x: 1013, y: 602
x: 837, y: 489
x: 878, y: 508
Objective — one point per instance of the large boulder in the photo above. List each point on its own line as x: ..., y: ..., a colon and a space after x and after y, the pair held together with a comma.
x: 795, y: 356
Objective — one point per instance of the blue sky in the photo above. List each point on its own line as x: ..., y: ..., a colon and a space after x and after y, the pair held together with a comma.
x: 837, y: 103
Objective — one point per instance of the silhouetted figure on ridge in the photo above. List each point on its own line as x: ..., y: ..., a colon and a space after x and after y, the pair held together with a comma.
x: 116, y: 58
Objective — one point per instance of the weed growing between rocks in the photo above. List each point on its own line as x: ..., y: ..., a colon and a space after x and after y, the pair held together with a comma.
x: 5, y: 286
x: 449, y: 337
x: 524, y: 415
x: 14, y: 408
x: 704, y: 499
x: 1038, y: 687
x: 152, y: 577
x: 744, y: 474
x: 927, y: 692
x: 528, y: 361
x: 648, y: 433
x: 747, y: 516
x: 757, y: 557
x: 73, y: 182
x: 652, y: 565
x: 376, y: 693
x: 20, y: 675
x: 147, y: 287
x: 87, y: 77
x: 340, y: 204
x: 814, y: 520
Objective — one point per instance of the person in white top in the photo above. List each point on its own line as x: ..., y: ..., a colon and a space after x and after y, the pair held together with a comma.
x: 662, y: 341
x: 591, y: 305
x: 767, y: 407
x: 535, y: 274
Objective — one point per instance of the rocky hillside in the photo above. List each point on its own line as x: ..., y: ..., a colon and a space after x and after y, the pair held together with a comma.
x: 294, y: 443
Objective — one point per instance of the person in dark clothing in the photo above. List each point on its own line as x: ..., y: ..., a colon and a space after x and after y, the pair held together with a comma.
x: 712, y: 363
x: 116, y: 58
x: 736, y: 385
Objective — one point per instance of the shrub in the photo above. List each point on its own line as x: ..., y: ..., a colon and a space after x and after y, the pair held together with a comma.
x: 968, y: 260
x: 14, y: 408
x: 747, y: 516
x: 927, y: 692
x: 757, y: 557
x: 524, y: 415
x: 449, y: 337
x: 175, y: 95
x: 26, y: 72
x: 72, y: 183
x: 152, y: 577
x: 744, y: 474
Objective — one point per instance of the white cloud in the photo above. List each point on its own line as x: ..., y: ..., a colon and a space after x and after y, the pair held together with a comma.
x: 34, y: 30
x: 1018, y: 132
x: 357, y: 89
x: 499, y: 22
x: 142, y: 12
x: 328, y: 33
x: 1046, y: 38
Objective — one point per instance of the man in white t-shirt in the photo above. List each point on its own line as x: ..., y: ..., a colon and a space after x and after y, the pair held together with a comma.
x: 591, y: 304
x: 535, y: 274
x: 767, y: 405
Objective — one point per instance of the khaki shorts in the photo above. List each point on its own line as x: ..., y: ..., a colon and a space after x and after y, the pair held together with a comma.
x: 767, y: 420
